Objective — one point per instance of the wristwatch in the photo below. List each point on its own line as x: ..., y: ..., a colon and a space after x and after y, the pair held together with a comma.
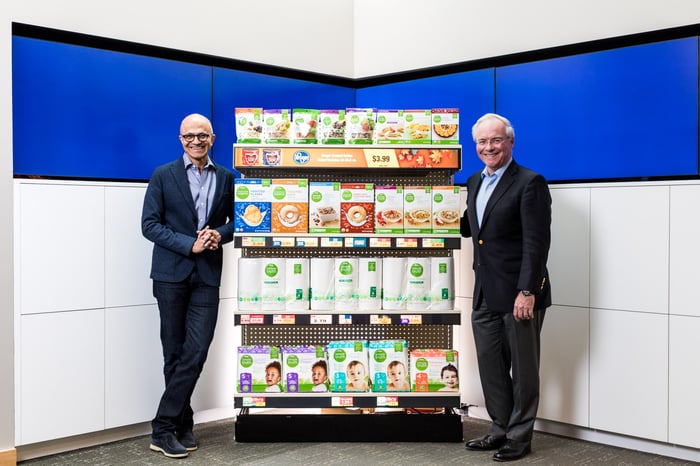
x: 526, y: 292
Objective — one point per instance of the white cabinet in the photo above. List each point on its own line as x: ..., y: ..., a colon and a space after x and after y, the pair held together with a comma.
x: 61, y: 242
x: 564, y: 372
x: 61, y: 375
x: 684, y: 381
x: 684, y: 250
x: 629, y: 248
x: 629, y: 373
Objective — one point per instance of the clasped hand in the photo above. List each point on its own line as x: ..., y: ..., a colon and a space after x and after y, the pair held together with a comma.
x: 206, y: 239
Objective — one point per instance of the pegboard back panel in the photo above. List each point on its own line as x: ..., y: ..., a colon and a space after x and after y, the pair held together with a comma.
x: 331, y: 252
x: 417, y: 336
x: 379, y: 177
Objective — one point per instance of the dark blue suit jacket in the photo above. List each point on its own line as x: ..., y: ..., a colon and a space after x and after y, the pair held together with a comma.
x: 512, y: 245
x: 169, y: 220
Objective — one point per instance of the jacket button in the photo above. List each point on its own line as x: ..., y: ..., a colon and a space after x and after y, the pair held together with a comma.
x: 481, y: 241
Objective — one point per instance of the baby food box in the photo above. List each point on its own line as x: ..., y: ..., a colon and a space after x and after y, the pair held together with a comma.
x: 390, y: 127
x: 290, y: 205
x: 249, y: 127
x: 331, y: 126
x: 388, y: 209
x: 347, y: 366
x: 445, y: 126
x: 446, y: 209
x: 277, y: 125
x: 434, y: 370
x: 417, y: 126
x: 360, y: 125
x: 357, y: 208
x: 304, y: 369
x: 324, y: 207
x: 259, y: 369
x: 305, y: 125
x: 388, y: 366
x: 417, y: 208
x: 252, y: 204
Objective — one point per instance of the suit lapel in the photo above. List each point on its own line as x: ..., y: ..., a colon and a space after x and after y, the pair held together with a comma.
x: 183, y: 185
x: 501, y: 188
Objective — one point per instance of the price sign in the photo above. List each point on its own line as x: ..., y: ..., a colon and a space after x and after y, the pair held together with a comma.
x: 252, y: 319
x: 334, y: 242
x: 321, y: 319
x: 438, y: 243
x: 380, y: 243
x: 381, y: 158
x: 285, y: 319
x: 387, y: 401
x: 342, y: 401
x: 415, y: 319
x: 253, y: 241
x: 307, y: 242
x: 282, y: 242
x: 406, y: 242
x: 254, y: 402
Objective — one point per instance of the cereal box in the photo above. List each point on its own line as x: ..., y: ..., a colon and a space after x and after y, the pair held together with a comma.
x: 276, y: 126
x: 347, y: 366
x: 388, y: 366
x: 290, y: 205
x: 360, y: 125
x: 249, y: 128
x: 417, y: 127
x: 331, y: 126
x: 417, y: 207
x: 445, y: 125
x: 259, y: 369
x: 324, y: 207
x: 304, y: 369
x: 388, y: 209
x: 390, y: 127
x: 356, y: 208
x: 252, y: 205
x: 446, y: 209
x: 434, y: 370
x: 305, y: 125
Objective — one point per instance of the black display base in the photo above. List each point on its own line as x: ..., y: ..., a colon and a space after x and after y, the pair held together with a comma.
x: 389, y: 427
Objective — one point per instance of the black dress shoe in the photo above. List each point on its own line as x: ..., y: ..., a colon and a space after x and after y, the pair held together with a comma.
x: 488, y: 442
x: 511, y: 451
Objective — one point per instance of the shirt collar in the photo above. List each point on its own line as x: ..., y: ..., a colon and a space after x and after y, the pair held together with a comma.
x: 498, y: 173
x: 188, y: 162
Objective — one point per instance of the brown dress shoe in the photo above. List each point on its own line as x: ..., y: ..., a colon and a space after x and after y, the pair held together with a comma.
x: 488, y: 442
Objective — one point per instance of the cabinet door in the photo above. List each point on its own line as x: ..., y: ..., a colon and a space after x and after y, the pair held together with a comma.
x: 61, y: 238
x: 133, y: 365
x: 685, y: 251
x: 629, y: 373
x: 61, y: 375
x: 684, y: 381
x: 564, y: 368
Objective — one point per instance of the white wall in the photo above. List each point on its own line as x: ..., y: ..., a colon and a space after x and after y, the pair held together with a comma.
x: 344, y: 38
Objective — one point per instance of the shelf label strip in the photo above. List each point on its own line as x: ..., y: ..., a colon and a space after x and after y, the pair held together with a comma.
x: 254, y: 402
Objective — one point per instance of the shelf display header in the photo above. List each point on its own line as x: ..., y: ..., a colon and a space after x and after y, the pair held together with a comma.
x: 347, y: 157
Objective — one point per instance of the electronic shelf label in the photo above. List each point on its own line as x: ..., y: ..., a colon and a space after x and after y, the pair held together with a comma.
x: 254, y: 402
x: 411, y: 243
x: 387, y: 401
x: 342, y: 402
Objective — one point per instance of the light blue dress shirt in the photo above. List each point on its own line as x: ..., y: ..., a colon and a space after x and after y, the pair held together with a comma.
x: 202, y: 187
x: 488, y: 184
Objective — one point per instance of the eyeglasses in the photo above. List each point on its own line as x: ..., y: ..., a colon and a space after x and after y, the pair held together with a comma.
x: 201, y: 137
x: 492, y: 141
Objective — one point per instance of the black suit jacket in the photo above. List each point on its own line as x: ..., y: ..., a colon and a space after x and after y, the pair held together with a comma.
x: 512, y: 245
x: 169, y: 220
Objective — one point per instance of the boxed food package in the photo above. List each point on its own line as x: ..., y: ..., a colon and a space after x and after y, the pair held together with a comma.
x: 390, y: 127
x: 324, y: 207
x: 445, y: 126
x: 277, y: 126
x: 446, y: 209
x: 434, y: 370
x: 259, y: 369
x: 388, y: 209
x: 305, y: 125
x: 388, y: 366
x: 249, y: 125
x: 304, y: 369
x: 252, y: 205
x: 417, y: 127
x: 331, y: 126
x: 347, y: 366
x: 290, y: 205
x: 356, y: 208
x: 296, y: 283
x: 417, y: 208
x: 360, y: 125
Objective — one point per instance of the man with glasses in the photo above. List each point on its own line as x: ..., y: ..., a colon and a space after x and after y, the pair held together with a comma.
x: 508, y: 217
x: 188, y: 215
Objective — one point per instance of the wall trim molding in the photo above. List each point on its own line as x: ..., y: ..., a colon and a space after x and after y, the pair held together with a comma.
x: 8, y: 457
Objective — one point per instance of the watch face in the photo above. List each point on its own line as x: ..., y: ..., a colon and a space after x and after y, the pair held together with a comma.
x: 525, y: 292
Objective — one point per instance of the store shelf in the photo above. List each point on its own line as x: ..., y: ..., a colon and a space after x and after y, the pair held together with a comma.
x: 402, y: 317
x: 348, y: 400
x: 346, y: 241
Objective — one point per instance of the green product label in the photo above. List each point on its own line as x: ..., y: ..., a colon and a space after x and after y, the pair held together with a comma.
x: 274, y: 352
x: 355, y: 119
x: 380, y: 355
x: 372, y: 291
x: 410, y: 197
x: 345, y: 268
x: 381, y: 197
x: 297, y: 269
x: 316, y: 196
x: 417, y: 270
x: 371, y: 266
x: 279, y: 192
x: 242, y: 192
x: 346, y: 195
x: 319, y: 352
x: 381, y: 119
x: 271, y: 270
x: 437, y: 197
x: 398, y: 347
x: 246, y: 361
x: 421, y: 364
x: 292, y: 360
x: 442, y: 267
x: 299, y: 294
x: 450, y: 356
x: 339, y: 355
x: 358, y: 346
x: 437, y: 119
x: 445, y: 294
x: 409, y: 118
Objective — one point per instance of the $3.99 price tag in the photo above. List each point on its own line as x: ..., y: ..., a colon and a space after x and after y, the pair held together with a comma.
x: 381, y: 158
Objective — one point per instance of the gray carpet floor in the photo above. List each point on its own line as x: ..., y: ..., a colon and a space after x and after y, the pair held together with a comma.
x: 217, y: 447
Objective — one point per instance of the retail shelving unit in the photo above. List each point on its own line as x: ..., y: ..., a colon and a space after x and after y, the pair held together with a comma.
x: 390, y: 416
